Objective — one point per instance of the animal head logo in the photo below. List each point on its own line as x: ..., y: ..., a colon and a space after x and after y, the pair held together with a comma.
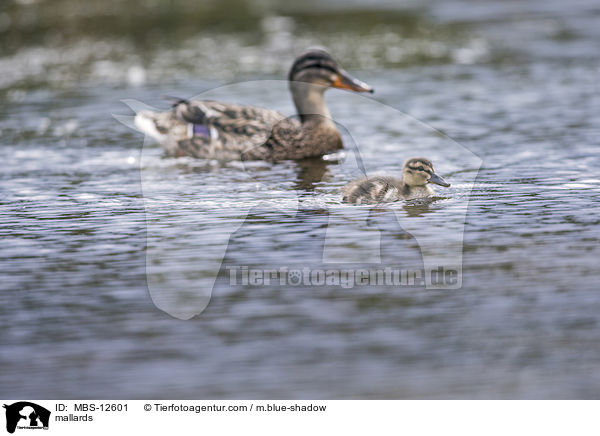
x: 24, y: 414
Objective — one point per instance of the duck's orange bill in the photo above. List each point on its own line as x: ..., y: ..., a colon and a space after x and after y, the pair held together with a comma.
x: 346, y: 81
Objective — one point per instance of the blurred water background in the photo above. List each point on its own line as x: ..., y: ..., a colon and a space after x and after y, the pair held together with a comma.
x: 515, y: 82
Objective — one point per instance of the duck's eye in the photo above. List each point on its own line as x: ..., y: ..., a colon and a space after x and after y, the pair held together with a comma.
x: 420, y: 168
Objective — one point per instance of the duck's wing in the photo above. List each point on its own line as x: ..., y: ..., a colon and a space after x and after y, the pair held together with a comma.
x: 372, y: 190
x: 210, y: 129
x: 227, y: 117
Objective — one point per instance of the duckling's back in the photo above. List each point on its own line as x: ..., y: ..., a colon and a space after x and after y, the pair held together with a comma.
x: 372, y: 190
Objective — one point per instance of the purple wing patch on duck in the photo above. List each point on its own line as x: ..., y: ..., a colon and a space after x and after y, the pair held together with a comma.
x: 200, y: 130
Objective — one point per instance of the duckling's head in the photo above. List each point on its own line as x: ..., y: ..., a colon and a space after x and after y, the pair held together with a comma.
x: 318, y: 67
x: 419, y: 171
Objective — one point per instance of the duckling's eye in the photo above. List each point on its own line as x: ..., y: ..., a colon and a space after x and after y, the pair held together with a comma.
x: 420, y: 168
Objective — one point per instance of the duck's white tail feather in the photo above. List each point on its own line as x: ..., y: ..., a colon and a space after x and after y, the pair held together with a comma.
x: 145, y: 121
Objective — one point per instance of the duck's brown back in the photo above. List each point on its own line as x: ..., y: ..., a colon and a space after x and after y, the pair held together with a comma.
x: 214, y: 130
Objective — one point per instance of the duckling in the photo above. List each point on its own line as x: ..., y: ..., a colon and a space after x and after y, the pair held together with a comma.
x: 224, y: 131
x: 417, y: 174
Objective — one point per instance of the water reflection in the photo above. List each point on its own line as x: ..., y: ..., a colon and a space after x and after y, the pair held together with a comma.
x: 421, y: 206
x: 311, y: 172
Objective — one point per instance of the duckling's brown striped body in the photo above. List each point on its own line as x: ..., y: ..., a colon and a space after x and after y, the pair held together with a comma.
x: 417, y: 174
x: 379, y: 189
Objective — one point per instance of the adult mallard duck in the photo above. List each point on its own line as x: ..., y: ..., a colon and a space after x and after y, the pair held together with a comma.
x: 224, y: 131
x: 417, y: 174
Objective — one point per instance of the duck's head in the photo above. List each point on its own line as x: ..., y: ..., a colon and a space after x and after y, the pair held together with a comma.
x: 419, y: 171
x: 316, y: 66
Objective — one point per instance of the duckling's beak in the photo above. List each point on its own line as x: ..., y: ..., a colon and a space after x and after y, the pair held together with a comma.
x: 346, y: 81
x: 438, y: 180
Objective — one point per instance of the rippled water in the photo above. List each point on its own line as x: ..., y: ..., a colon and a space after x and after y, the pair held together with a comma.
x: 84, y: 206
